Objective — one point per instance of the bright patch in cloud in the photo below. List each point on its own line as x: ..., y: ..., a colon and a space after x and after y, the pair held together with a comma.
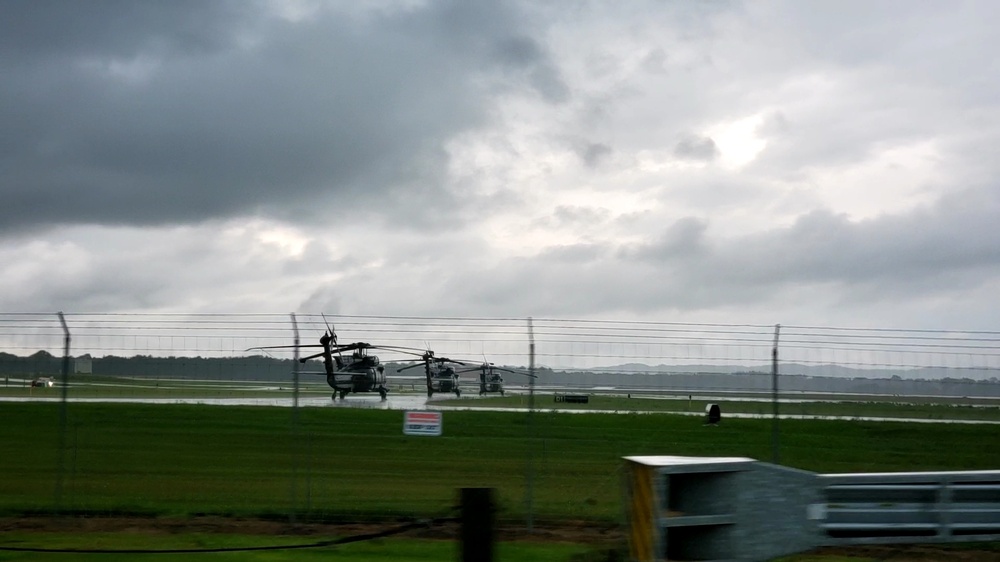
x: 270, y: 237
x: 737, y: 141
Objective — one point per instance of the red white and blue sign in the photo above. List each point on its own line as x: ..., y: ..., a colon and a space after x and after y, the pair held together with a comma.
x: 422, y: 423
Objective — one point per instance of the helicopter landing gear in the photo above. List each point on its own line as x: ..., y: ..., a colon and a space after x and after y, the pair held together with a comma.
x: 343, y: 394
x: 333, y: 397
x: 430, y: 393
x: 458, y: 393
x: 501, y: 392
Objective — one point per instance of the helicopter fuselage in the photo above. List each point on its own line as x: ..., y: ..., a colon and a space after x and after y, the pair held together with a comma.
x: 358, y: 373
x: 494, y: 384
x: 445, y: 380
x: 365, y: 379
x: 490, y: 381
x: 441, y: 379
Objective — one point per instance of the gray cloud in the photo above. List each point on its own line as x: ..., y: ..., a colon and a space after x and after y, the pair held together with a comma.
x: 507, y: 158
x: 526, y: 55
x: 574, y: 215
x: 320, y: 110
x: 892, y: 259
x: 593, y: 153
x: 56, y: 29
x: 684, y: 238
x: 696, y: 148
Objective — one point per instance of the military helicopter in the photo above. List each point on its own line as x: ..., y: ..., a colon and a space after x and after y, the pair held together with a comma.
x: 441, y: 377
x: 358, y: 372
x: 490, y: 379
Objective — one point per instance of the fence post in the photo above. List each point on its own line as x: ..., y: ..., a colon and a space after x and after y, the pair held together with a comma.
x: 477, y: 524
x: 774, y: 396
x: 61, y: 462
x: 530, y: 469
x: 296, y: 437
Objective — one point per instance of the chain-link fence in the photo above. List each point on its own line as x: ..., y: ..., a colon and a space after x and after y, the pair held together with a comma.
x: 292, y: 445
x: 240, y: 348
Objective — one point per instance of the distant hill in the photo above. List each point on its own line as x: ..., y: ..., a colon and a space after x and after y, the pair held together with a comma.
x: 830, y: 370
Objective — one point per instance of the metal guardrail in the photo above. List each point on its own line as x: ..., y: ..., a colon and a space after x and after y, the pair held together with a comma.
x: 912, y: 507
x: 717, y: 509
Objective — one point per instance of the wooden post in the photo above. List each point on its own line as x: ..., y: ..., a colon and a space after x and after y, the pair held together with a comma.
x: 477, y: 524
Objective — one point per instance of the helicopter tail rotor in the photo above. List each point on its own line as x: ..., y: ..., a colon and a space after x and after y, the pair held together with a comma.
x: 330, y: 331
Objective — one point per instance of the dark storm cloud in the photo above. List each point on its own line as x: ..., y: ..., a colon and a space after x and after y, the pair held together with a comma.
x: 156, y: 113
x: 463, y: 158
x: 34, y: 29
x: 524, y: 53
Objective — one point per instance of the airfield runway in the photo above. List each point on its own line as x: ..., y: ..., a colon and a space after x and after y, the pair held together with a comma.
x: 417, y: 401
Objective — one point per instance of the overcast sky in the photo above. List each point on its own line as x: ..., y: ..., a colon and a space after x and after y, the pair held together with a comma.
x: 817, y: 163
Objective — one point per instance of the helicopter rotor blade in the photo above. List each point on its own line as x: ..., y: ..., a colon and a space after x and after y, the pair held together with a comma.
x: 315, y: 355
x: 300, y: 346
x: 443, y: 360
x: 403, y: 349
x: 366, y: 345
x: 349, y: 347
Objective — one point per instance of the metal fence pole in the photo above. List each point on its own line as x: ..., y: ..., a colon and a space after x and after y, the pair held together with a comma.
x: 530, y: 469
x: 775, y: 455
x: 61, y: 458
x: 296, y: 430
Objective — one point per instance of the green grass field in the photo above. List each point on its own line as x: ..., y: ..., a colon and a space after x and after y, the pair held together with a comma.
x: 258, y: 461
x: 338, y: 464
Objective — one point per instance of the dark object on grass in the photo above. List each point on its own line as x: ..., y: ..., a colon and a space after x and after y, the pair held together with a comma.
x: 712, y: 414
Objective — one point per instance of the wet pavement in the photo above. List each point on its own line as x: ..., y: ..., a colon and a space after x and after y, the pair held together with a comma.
x: 419, y: 402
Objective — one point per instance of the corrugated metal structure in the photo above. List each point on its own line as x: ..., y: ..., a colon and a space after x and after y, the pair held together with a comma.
x: 740, y: 509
